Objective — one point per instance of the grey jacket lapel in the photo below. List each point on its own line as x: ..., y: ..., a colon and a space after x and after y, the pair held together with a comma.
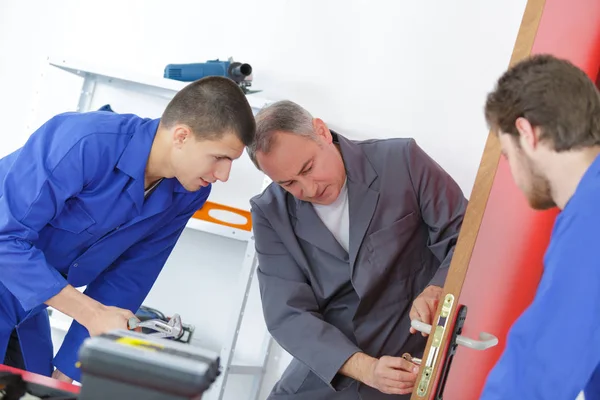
x: 308, y: 226
x: 362, y: 196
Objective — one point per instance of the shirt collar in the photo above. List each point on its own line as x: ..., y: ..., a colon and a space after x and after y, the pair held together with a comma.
x: 134, y: 158
x: 590, y: 175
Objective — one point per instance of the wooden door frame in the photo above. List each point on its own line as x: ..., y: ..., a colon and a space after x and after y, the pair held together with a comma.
x: 478, y: 199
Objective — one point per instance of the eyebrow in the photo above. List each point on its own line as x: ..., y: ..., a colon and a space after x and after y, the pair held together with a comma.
x: 299, y: 172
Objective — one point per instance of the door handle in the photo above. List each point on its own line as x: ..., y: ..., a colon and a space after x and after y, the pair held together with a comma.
x: 485, y: 341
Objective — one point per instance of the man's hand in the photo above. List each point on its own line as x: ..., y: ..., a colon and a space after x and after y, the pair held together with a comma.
x: 108, y: 318
x: 390, y: 375
x: 425, y: 306
x: 94, y: 316
x: 61, y: 377
x: 393, y: 375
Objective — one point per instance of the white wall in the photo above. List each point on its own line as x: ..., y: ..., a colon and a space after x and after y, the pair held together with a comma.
x: 369, y: 68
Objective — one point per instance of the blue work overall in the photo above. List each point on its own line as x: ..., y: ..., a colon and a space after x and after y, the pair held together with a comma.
x: 72, y: 211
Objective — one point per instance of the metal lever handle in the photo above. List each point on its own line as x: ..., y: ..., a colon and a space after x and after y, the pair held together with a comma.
x: 485, y: 341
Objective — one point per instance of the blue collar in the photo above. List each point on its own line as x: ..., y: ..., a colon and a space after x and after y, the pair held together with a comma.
x: 587, y: 179
x: 590, y: 174
x: 134, y: 158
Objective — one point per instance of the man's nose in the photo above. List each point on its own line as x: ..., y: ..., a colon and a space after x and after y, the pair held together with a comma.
x: 222, y: 171
x: 310, y: 189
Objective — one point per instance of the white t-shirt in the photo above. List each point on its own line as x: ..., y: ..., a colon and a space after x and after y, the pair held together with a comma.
x: 336, y: 217
x: 149, y: 191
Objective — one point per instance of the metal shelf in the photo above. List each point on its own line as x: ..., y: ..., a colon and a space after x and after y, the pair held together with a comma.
x: 157, y: 86
x: 216, y: 229
x: 246, y: 369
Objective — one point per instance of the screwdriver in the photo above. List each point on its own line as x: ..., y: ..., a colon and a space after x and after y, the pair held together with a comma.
x: 412, y: 359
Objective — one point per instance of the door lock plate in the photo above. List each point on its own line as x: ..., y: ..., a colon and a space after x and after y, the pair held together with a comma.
x: 435, y: 350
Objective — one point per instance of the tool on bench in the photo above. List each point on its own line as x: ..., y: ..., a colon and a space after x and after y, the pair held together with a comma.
x: 123, y: 365
x: 172, y: 329
x: 146, y: 313
x: 126, y: 365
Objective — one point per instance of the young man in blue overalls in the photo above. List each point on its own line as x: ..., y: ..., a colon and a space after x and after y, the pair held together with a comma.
x: 546, y: 113
x: 99, y: 200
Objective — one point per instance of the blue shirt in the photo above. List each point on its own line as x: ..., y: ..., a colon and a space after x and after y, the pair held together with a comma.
x: 553, y: 349
x: 72, y: 209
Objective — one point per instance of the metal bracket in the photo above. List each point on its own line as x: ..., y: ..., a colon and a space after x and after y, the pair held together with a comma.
x: 461, y: 315
x: 486, y: 340
x: 435, y: 351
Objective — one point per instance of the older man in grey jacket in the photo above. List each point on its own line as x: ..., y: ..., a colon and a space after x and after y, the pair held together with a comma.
x: 354, y: 239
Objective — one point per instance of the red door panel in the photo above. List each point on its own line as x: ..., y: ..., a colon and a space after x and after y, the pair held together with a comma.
x: 506, y: 263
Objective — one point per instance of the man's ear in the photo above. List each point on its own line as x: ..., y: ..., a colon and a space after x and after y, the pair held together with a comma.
x: 528, y: 134
x: 321, y: 130
x: 181, y: 134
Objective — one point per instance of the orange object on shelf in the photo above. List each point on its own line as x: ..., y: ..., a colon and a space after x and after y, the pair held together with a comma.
x: 204, y: 214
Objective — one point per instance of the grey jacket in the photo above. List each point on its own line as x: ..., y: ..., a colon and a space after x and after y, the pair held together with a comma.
x: 322, y: 304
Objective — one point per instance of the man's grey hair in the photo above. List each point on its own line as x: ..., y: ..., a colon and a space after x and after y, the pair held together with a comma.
x: 281, y: 116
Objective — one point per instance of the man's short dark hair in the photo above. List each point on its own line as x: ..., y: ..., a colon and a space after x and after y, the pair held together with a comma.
x: 552, y: 94
x: 211, y: 107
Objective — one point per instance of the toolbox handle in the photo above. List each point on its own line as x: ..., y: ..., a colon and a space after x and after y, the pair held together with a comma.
x: 486, y: 340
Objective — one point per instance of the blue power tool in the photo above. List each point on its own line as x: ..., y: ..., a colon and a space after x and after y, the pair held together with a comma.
x: 241, y: 73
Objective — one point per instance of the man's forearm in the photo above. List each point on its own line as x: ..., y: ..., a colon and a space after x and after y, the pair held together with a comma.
x: 75, y: 304
x: 359, y: 367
